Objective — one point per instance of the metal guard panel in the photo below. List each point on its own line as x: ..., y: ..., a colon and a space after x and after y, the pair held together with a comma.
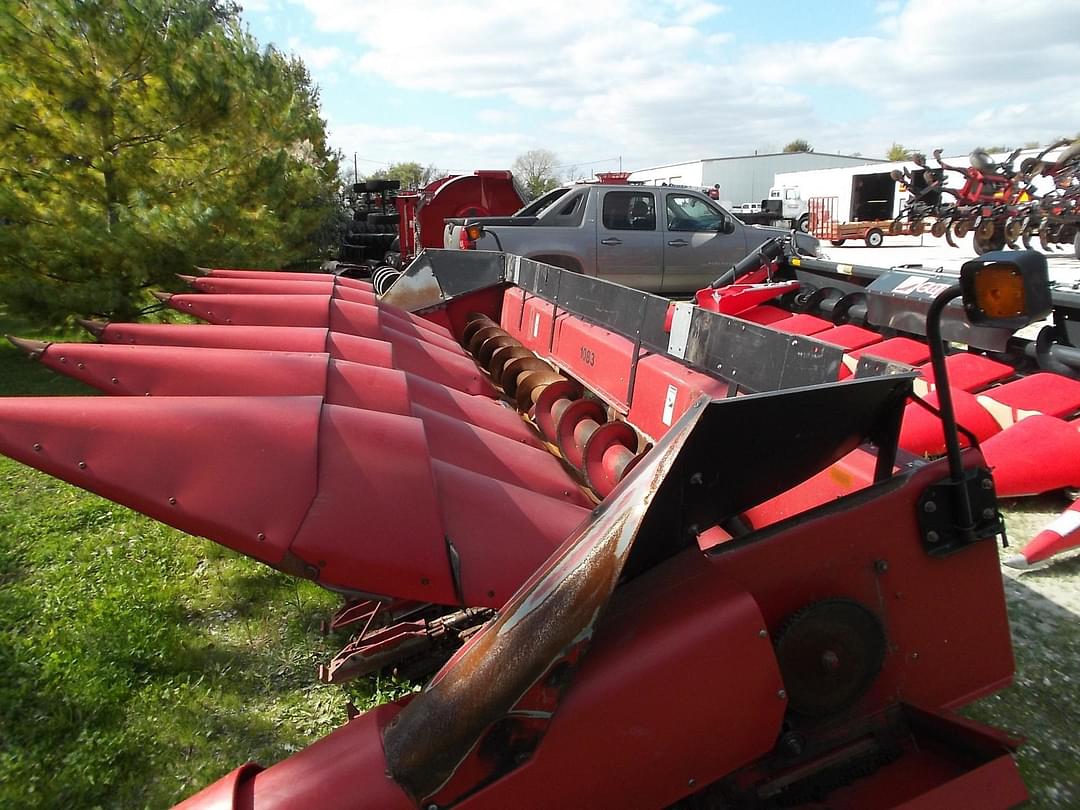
x: 436, y: 276
x: 900, y: 299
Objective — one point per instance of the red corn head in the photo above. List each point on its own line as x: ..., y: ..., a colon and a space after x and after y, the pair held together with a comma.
x: 173, y: 371
x: 407, y: 354
x: 345, y: 281
x: 1061, y: 534
x: 306, y: 310
x: 348, y: 497
x: 188, y: 371
x: 259, y: 286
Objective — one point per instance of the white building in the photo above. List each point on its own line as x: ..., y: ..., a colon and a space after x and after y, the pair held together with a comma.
x: 743, y: 178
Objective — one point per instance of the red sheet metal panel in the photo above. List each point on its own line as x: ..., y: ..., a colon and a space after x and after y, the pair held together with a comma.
x: 216, y: 479
x: 342, y: 771
x: 537, y: 324
x: 802, y: 324
x: 375, y: 524
x: 512, y: 317
x: 840, y: 552
x: 501, y: 532
x: 666, y: 642
x: 922, y: 434
x: 849, y: 337
x: 1038, y: 454
x: 220, y: 272
x: 598, y: 357
x: 967, y: 372
x: 1050, y: 394
x: 663, y: 390
x: 764, y: 315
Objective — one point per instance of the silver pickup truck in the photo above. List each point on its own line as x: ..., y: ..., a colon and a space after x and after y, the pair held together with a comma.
x: 657, y: 238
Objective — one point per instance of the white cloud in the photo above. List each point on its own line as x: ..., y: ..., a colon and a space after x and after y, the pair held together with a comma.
x: 316, y: 57
x: 657, y: 81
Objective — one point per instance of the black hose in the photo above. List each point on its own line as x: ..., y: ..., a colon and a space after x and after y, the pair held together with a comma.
x: 769, y: 251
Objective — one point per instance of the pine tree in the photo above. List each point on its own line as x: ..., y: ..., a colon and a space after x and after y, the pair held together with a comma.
x: 143, y: 136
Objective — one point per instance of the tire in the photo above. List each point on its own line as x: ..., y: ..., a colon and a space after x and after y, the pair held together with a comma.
x: 804, y: 223
x: 837, y: 242
x: 874, y: 238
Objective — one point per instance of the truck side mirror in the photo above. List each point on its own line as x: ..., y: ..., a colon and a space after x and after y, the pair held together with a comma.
x: 727, y: 225
x: 1008, y: 289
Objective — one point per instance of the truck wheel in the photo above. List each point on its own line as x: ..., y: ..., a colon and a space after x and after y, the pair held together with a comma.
x: 804, y: 223
x: 874, y: 237
x: 837, y: 242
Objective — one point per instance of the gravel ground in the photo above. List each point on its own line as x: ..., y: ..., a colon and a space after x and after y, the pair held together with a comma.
x: 1044, y: 604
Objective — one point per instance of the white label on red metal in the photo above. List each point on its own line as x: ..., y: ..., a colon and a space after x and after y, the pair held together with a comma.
x: 1066, y: 523
x: 680, y: 329
x: 536, y: 324
x: 669, y: 404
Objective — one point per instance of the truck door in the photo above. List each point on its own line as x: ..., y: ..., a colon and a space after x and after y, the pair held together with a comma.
x: 628, y: 249
x: 696, y: 249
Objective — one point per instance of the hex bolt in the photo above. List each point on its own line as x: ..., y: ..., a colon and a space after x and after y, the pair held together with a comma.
x: 260, y: 536
x: 82, y: 465
x: 82, y: 365
x: 989, y: 513
x: 172, y: 501
x: 781, y: 694
x: 932, y: 537
x: 987, y: 483
x: 763, y: 633
x: 115, y: 381
x: 929, y: 506
x: 691, y: 782
x: 37, y: 447
x: 881, y: 566
x: 63, y: 359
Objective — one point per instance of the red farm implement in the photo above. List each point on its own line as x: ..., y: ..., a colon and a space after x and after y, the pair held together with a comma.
x: 654, y: 557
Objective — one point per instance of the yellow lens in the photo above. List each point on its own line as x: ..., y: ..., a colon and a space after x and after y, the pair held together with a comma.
x: 999, y: 291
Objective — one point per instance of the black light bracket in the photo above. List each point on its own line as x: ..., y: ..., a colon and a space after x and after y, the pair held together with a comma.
x: 944, y: 527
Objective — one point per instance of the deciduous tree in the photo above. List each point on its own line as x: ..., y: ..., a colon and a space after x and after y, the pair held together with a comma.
x: 535, y: 170
x: 799, y: 145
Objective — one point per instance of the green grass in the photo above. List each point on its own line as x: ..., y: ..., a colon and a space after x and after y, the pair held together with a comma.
x: 137, y: 663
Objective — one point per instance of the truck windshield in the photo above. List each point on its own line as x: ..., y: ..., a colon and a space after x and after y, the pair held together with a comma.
x: 534, y: 208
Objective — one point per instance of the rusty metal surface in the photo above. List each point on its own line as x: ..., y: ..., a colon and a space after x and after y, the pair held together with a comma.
x: 551, y: 617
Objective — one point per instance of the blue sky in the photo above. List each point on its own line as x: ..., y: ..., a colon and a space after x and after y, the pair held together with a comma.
x: 471, y: 85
